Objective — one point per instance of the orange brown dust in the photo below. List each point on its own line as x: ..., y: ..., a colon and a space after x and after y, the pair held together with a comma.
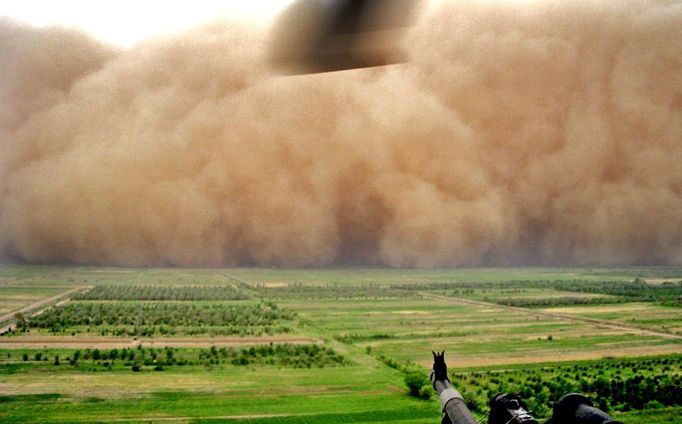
x: 546, y: 132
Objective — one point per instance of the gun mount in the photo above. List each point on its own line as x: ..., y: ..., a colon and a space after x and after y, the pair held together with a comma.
x: 576, y: 408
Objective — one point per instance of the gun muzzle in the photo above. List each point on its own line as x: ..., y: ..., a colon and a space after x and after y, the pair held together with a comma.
x: 575, y: 408
x: 451, y: 401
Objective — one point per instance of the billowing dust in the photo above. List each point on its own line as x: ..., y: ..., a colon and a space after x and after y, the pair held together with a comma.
x: 545, y: 132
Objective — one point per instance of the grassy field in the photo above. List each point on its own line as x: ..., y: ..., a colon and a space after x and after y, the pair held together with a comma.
x: 408, y: 329
x: 320, y: 346
x: 647, y: 315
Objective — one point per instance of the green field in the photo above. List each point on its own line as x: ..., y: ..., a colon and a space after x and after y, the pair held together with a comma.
x: 320, y: 346
x: 646, y: 315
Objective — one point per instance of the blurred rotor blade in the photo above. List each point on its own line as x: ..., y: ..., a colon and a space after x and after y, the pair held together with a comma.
x: 331, y: 35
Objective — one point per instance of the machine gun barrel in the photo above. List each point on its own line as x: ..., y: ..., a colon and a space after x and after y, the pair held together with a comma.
x: 451, y: 401
x: 453, y: 404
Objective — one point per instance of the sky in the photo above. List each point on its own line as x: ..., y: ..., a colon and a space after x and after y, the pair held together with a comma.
x: 126, y: 22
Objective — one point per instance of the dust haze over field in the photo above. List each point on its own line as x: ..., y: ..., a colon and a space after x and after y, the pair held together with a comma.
x: 519, y: 133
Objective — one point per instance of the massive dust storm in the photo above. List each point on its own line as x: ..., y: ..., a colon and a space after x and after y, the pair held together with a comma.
x: 546, y: 132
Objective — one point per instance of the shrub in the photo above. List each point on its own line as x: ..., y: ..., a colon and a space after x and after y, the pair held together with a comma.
x: 653, y: 404
x: 418, y: 384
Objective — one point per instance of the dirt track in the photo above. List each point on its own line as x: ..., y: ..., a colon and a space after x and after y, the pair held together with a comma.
x: 233, y: 278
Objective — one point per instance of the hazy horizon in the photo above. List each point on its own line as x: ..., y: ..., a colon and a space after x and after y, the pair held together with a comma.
x: 521, y: 133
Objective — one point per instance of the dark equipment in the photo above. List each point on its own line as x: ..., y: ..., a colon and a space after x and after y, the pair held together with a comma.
x: 505, y: 408
x: 454, y: 408
x: 576, y: 408
x: 332, y: 35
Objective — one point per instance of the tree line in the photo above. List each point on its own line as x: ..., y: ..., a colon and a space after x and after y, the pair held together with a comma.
x: 152, y: 292
x: 158, y: 359
x: 148, y: 319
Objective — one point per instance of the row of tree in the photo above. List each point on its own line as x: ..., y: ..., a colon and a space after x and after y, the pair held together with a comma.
x: 636, y: 290
x: 171, y: 314
x: 152, y: 292
x: 330, y: 291
x: 541, y: 302
x: 147, y: 319
x: 140, y: 358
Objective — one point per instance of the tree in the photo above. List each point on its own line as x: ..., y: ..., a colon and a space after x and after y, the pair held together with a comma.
x: 22, y: 323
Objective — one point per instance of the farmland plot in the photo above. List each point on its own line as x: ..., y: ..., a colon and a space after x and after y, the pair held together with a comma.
x: 200, y: 343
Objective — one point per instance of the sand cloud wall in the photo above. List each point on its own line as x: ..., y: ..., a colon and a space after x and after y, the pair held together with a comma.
x: 519, y: 133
